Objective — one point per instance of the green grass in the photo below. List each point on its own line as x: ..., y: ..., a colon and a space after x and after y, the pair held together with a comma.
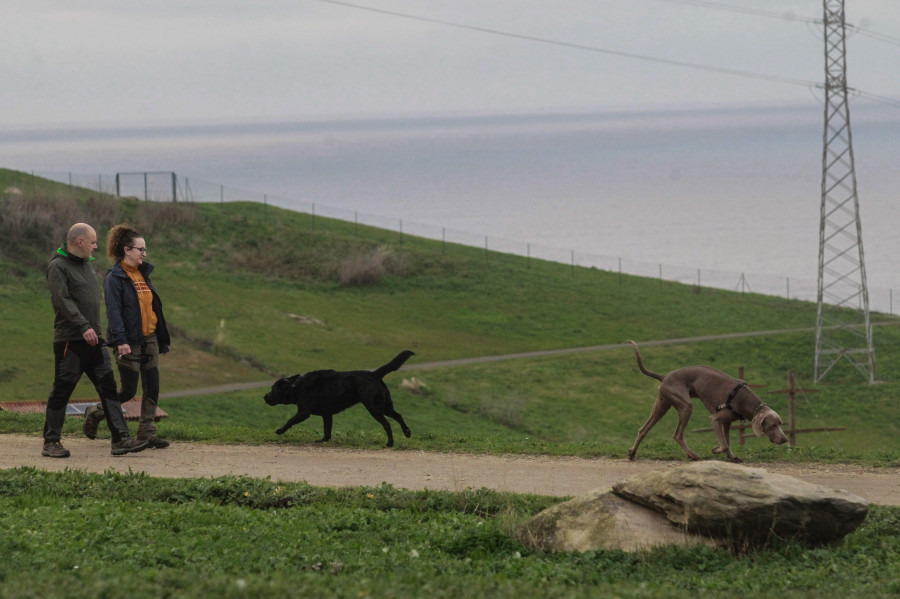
x: 77, y: 535
x: 253, y: 292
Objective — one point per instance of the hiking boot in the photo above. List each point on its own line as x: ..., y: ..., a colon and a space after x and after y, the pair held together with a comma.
x: 54, y: 449
x: 93, y: 416
x: 157, y: 443
x: 128, y: 445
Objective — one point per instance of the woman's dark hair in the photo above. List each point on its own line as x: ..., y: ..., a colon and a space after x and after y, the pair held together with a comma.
x: 120, y: 237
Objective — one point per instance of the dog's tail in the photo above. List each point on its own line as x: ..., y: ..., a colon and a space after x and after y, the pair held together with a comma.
x: 394, y: 364
x: 640, y: 362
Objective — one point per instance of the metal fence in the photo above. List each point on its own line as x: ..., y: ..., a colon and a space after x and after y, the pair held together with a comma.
x: 160, y: 187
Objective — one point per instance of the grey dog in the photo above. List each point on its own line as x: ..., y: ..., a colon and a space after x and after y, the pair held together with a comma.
x: 727, y: 399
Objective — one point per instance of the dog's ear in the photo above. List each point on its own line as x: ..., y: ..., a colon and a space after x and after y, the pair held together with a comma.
x: 765, y: 420
x: 284, y: 383
x: 757, y: 422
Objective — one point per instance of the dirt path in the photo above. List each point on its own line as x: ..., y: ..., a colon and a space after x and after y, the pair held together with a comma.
x: 332, y: 467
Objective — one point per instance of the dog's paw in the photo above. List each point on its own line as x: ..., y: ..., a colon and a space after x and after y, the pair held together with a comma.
x: 735, y: 460
x: 407, y: 432
x: 280, y: 431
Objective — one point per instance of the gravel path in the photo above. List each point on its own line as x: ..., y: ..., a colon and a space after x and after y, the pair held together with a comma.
x: 333, y: 467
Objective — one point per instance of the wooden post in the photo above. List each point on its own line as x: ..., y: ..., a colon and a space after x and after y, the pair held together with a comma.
x: 742, y: 439
x: 792, y: 407
x: 792, y: 391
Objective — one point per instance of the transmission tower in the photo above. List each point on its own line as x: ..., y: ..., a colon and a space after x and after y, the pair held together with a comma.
x: 843, y: 328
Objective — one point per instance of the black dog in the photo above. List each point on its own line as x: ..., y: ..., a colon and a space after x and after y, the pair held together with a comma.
x: 326, y: 392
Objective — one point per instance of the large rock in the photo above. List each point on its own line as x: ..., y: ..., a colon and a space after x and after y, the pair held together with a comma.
x: 600, y: 519
x: 747, y: 506
x: 712, y: 503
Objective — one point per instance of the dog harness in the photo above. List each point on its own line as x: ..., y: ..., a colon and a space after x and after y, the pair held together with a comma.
x: 727, y: 404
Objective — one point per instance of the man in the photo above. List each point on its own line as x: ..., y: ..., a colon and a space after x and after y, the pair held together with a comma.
x: 77, y: 344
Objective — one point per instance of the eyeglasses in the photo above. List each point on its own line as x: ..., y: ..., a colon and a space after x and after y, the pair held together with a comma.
x: 141, y: 250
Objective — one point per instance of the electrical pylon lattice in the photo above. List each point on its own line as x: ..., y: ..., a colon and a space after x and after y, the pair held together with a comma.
x: 843, y: 327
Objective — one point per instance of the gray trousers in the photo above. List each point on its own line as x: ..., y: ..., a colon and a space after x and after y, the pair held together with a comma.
x: 143, y: 365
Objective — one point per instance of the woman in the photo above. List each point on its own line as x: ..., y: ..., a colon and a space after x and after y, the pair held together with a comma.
x: 137, y: 329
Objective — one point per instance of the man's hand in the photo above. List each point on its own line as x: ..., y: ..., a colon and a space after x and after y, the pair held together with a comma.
x: 91, y: 337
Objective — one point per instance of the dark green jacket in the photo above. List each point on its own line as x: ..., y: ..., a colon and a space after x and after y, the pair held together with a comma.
x: 75, y: 294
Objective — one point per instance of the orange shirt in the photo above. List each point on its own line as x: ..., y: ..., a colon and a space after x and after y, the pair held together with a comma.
x: 145, y: 298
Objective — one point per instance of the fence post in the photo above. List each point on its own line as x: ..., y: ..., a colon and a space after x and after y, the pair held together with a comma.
x: 791, y: 392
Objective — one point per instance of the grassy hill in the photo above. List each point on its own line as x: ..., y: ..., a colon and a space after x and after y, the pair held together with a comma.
x: 253, y: 292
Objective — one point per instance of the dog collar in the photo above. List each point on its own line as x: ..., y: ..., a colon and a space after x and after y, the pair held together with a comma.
x: 761, y: 405
x: 727, y: 404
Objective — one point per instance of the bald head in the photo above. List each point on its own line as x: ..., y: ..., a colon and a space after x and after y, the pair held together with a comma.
x: 81, y: 240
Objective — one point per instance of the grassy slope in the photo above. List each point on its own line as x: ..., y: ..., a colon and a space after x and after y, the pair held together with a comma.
x: 253, y: 291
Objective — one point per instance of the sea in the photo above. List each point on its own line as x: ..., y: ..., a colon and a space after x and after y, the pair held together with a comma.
x: 722, y: 197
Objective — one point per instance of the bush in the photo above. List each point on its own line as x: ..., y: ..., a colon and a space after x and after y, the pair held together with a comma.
x: 31, y: 227
x: 364, y: 269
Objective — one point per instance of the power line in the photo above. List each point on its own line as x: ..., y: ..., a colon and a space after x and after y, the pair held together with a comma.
x: 879, y: 99
x: 653, y: 59
x: 875, y: 35
x: 531, y: 38
x: 784, y: 16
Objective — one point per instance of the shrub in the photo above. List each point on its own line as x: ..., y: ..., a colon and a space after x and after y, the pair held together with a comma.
x: 365, y: 268
x: 31, y: 227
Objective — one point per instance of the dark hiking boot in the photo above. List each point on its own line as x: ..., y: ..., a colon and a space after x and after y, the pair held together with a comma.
x: 93, y: 416
x: 54, y: 449
x: 128, y: 445
x: 157, y: 443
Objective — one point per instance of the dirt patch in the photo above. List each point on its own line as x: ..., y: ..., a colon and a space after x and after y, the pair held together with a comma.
x: 333, y: 467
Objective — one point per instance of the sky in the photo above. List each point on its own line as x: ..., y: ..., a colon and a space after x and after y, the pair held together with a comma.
x: 108, y: 62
